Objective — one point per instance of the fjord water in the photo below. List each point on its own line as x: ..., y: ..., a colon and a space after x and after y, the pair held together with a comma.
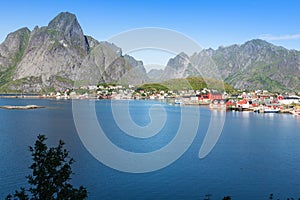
x: 256, y: 154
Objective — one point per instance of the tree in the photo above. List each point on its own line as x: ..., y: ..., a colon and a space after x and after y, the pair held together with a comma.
x: 51, y: 171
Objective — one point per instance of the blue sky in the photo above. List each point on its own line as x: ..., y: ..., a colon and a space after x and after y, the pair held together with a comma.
x: 210, y: 23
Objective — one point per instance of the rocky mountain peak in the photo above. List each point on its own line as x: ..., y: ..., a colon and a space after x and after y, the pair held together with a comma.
x: 257, y: 42
x: 183, y: 55
x: 13, y: 40
x: 262, y: 46
x: 63, y: 21
x: 66, y: 28
x: 179, y: 61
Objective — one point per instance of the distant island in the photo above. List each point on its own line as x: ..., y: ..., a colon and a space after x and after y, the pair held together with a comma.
x: 27, y: 107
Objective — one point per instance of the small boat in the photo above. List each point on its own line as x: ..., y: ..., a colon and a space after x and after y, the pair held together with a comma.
x: 271, y: 110
x: 178, y: 102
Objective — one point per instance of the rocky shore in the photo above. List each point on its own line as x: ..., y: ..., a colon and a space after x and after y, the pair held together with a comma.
x: 27, y: 107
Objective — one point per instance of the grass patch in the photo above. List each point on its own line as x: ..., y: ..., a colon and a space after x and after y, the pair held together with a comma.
x: 191, y: 83
x: 64, y: 80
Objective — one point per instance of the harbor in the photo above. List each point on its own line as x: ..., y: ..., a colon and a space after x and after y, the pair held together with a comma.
x: 259, y: 101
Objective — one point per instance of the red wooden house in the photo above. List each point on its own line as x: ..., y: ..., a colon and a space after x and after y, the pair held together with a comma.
x: 210, y: 96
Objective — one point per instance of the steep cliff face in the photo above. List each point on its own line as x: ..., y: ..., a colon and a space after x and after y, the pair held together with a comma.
x: 57, y: 49
x: 12, y: 49
x: 256, y: 64
x: 65, y: 28
x: 11, y: 52
x: 59, y: 55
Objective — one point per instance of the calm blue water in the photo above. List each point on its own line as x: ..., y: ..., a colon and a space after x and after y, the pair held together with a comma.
x: 257, y: 154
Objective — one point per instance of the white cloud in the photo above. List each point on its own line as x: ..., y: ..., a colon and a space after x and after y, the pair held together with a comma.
x: 282, y: 37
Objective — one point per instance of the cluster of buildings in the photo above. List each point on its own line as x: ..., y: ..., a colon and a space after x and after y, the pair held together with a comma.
x: 260, y: 101
x: 257, y: 101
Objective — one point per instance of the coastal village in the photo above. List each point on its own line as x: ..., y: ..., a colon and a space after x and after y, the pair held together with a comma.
x: 260, y: 101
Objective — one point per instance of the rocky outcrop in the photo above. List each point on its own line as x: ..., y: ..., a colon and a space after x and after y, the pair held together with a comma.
x: 28, y: 107
x: 12, y: 49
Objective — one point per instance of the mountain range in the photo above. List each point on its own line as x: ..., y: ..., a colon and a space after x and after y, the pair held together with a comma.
x: 255, y: 64
x: 59, y: 56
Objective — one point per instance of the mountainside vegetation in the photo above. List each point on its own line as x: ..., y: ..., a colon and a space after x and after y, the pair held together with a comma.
x: 59, y: 56
x: 190, y: 83
x: 256, y: 64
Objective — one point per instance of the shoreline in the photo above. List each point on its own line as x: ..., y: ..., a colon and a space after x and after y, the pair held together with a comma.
x: 199, y: 104
x: 19, y: 96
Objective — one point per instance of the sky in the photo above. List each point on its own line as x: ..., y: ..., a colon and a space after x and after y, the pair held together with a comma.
x: 210, y: 23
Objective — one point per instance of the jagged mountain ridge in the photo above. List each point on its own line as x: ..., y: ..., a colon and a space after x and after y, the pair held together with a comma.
x: 59, y: 54
x: 255, y: 64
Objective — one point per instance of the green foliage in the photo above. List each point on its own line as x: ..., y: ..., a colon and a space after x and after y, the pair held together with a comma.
x: 262, y: 76
x: 185, y: 84
x: 19, y: 83
x: 258, y: 80
x: 198, y: 83
x: 52, y: 32
x: 80, y: 83
x: 267, y: 83
x: 64, y: 80
x: 190, y: 83
x: 153, y: 87
x: 105, y: 85
x: 19, y: 55
x: 18, y: 195
x: 6, y: 76
x: 82, y: 91
x: 51, y: 171
x: 46, y: 90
